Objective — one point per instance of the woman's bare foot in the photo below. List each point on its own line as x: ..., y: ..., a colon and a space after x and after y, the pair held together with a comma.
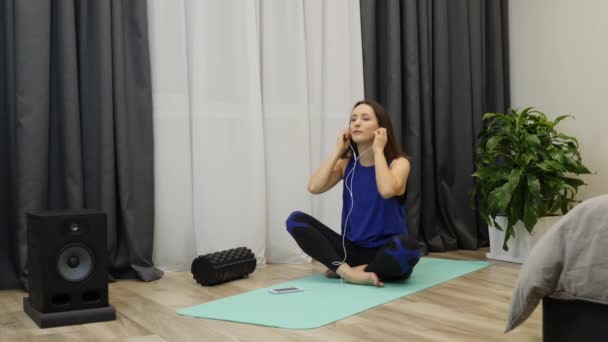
x: 331, y: 274
x: 360, y: 268
x: 356, y: 275
x: 363, y: 278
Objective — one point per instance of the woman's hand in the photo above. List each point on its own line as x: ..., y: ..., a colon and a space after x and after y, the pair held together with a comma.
x: 380, y: 139
x: 343, y: 140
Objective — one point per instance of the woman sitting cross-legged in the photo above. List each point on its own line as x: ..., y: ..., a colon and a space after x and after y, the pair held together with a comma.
x: 374, y: 220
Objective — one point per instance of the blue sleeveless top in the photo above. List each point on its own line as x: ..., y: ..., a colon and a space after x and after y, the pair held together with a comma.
x: 373, y: 219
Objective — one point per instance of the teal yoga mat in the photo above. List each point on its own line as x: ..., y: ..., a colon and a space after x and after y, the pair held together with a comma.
x: 324, y: 300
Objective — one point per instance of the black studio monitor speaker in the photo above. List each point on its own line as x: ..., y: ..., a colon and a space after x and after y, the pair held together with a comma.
x: 68, y: 268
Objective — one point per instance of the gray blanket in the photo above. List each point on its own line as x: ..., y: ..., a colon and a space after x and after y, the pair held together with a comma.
x: 569, y: 262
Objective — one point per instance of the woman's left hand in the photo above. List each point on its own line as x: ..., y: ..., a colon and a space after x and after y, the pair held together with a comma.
x: 380, y: 139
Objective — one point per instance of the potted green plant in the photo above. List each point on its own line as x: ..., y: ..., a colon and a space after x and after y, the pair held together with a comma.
x: 525, y: 169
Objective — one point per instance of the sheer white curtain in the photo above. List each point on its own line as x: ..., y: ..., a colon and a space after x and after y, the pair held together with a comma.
x: 249, y: 97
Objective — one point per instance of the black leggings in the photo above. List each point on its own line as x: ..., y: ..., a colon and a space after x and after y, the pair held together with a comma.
x: 393, y: 261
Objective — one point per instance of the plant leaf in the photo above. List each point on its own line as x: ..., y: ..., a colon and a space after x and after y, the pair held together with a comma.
x: 532, y: 203
x: 514, y: 178
x: 492, y: 143
x: 488, y: 116
x: 574, y: 182
x: 508, y: 234
x: 532, y: 139
x: 560, y: 118
x: 499, y: 198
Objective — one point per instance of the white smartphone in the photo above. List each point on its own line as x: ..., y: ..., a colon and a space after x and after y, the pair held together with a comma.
x: 285, y: 290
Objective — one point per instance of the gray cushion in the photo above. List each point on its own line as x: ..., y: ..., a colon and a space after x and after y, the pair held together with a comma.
x: 569, y: 262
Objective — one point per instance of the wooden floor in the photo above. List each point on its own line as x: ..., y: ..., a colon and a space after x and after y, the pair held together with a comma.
x: 471, y: 308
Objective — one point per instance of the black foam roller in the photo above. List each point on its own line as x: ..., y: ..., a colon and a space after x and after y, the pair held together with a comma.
x: 220, y: 267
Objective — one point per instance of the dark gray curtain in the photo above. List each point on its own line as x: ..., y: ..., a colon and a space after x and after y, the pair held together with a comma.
x: 8, y: 269
x: 76, y: 125
x: 438, y: 66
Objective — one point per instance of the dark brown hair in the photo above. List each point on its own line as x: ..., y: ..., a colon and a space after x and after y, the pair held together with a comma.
x: 392, y: 150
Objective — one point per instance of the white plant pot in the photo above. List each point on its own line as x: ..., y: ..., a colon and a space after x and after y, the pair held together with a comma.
x: 521, y: 243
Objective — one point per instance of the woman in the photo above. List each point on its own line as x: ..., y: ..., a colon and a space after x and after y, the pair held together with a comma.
x: 375, y: 245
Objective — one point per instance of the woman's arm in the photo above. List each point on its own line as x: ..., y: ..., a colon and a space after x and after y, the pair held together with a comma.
x: 327, y: 175
x: 332, y: 169
x: 390, y: 181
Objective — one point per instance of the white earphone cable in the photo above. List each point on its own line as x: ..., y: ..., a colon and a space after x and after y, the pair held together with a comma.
x: 350, y: 174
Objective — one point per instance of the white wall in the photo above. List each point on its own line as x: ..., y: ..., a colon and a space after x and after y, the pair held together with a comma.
x: 559, y: 64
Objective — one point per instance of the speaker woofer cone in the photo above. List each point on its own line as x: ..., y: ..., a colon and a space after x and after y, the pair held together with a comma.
x: 75, y: 263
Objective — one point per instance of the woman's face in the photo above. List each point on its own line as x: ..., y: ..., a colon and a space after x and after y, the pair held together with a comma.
x: 363, y: 123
